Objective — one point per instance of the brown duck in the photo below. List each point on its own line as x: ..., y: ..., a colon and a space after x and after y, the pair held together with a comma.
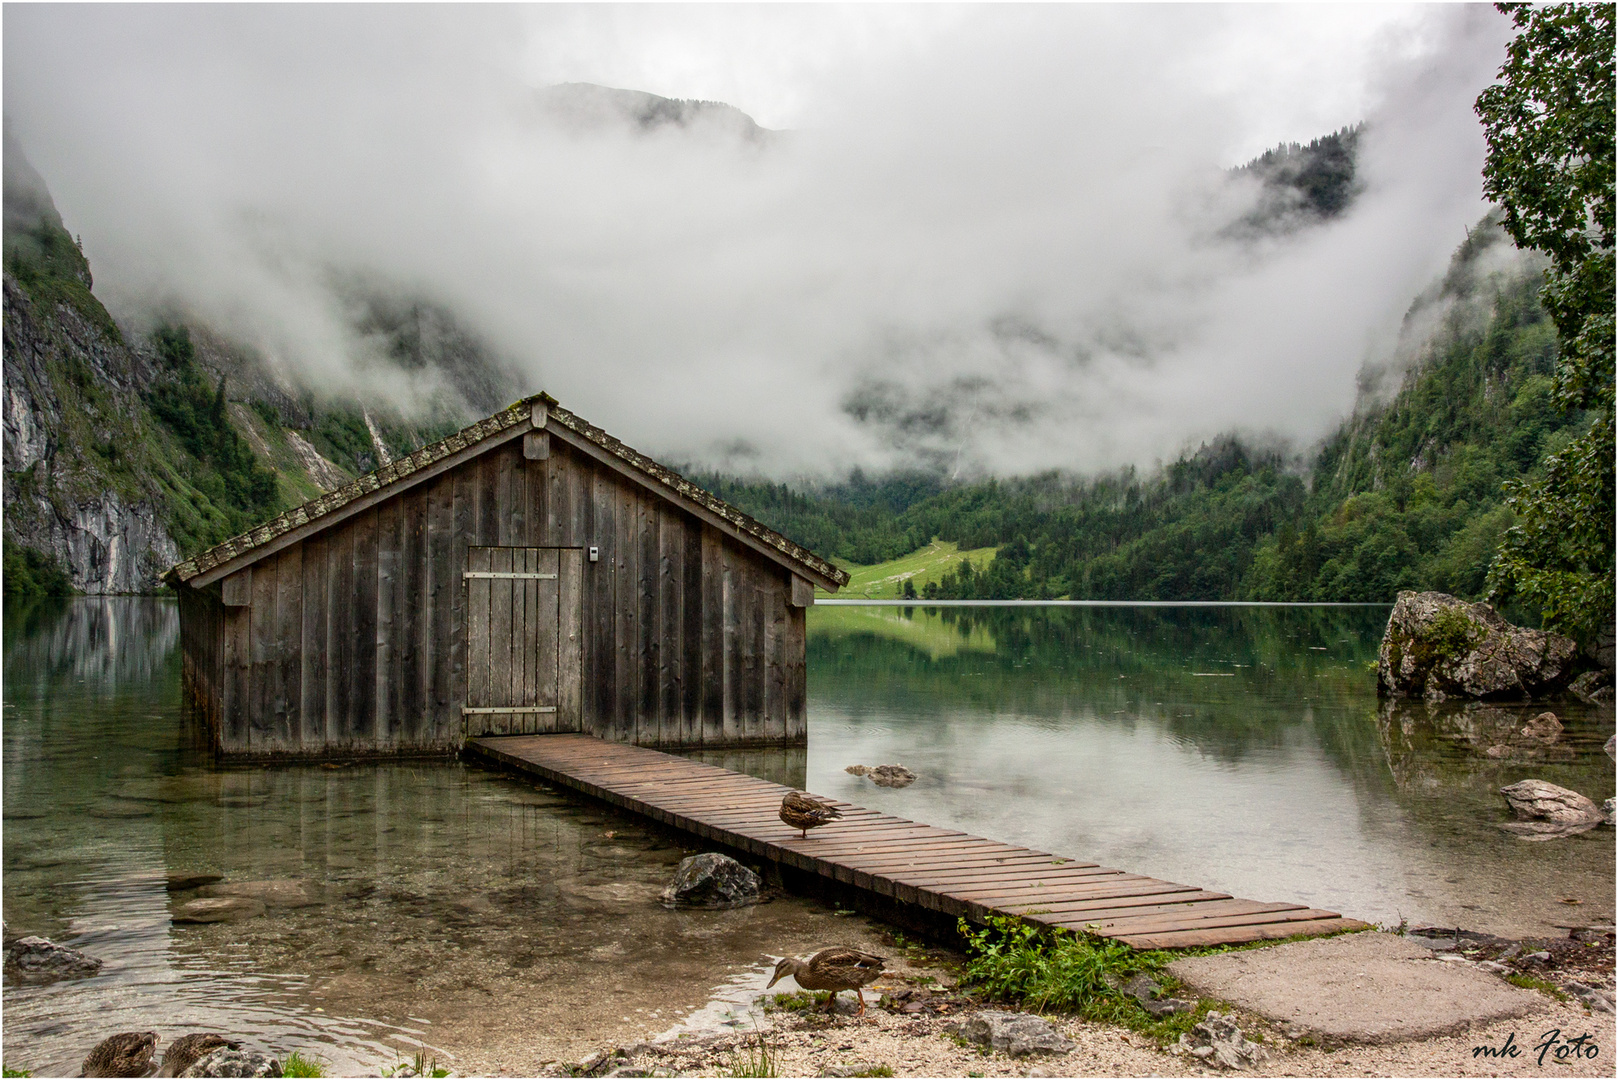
x: 187, y: 1050
x: 834, y: 969
x: 128, y: 1053
x: 805, y: 812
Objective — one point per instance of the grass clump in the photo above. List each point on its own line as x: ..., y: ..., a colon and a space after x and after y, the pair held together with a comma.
x: 755, y: 1058
x: 1530, y: 982
x: 296, y: 1064
x: 7, y: 1070
x: 420, y: 1065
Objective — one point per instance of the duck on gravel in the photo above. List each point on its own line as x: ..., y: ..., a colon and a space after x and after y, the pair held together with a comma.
x: 834, y: 969
x: 804, y: 812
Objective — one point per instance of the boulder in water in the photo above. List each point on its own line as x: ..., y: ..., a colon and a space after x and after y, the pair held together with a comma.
x: 274, y: 893
x: 711, y: 880
x: 39, y: 960
x: 1438, y: 647
x: 1592, y: 687
x: 1548, y: 812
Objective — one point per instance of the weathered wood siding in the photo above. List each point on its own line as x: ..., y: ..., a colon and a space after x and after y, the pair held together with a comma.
x: 354, y: 640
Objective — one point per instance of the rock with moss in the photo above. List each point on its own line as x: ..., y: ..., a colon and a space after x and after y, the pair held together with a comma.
x: 1438, y: 647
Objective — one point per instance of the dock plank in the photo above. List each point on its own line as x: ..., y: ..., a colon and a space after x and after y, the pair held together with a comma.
x: 943, y: 870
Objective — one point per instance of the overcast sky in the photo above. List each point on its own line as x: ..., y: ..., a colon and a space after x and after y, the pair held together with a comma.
x: 991, y: 238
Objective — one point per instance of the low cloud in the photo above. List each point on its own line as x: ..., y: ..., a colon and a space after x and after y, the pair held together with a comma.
x: 994, y: 246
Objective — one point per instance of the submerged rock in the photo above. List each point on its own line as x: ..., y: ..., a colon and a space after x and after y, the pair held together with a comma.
x: 711, y: 880
x: 1012, y: 1033
x: 1438, y: 647
x: 209, y: 909
x: 182, y: 882
x: 235, y: 1063
x: 894, y: 776
x: 39, y: 960
x: 275, y: 893
x: 1218, y: 1041
x: 1544, y: 728
x: 1549, y: 812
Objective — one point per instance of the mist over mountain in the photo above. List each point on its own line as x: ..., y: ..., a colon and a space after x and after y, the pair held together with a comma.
x: 1007, y: 247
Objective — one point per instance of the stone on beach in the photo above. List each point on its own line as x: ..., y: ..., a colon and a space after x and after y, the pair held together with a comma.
x: 1012, y: 1033
x: 39, y: 960
x: 1438, y: 647
x: 1218, y: 1041
x: 711, y: 880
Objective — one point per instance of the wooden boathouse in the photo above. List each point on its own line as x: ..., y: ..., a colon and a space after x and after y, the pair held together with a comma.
x: 528, y: 574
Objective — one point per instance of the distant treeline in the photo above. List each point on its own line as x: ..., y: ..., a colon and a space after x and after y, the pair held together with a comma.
x: 1406, y: 494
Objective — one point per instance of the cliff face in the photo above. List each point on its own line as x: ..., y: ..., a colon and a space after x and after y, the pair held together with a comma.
x: 73, y: 441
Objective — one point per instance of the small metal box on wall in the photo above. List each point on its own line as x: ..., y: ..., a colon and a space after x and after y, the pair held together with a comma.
x: 528, y: 574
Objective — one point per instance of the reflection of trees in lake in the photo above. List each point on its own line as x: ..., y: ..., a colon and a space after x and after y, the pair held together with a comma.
x: 1226, y: 680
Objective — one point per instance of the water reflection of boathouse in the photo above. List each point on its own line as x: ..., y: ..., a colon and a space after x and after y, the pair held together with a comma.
x: 528, y: 574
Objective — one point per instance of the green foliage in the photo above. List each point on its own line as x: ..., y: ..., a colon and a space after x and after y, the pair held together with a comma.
x: 1016, y: 961
x: 340, y: 434
x: 1549, y: 123
x: 1544, y: 986
x: 1450, y: 633
x: 222, y: 465
x: 32, y: 575
x: 7, y: 1070
x: 50, y: 266
x: 296, y: 1064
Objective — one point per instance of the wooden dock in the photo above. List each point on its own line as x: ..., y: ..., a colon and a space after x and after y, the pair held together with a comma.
x: 942, y: 870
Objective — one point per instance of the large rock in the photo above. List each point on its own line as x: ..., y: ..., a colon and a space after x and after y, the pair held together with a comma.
x: 1437, y: 647
x: 1592, y: 687
x: 38, y: 960
x: 235, y: 1063
x: 712, y: 880
x: 1548, y: 812
x: 1012, y: 1033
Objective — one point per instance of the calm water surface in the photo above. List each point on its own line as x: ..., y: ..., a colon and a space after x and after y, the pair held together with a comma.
x: 1237, y: 749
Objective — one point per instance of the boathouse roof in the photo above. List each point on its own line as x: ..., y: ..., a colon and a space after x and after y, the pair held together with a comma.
x: 540, y: 411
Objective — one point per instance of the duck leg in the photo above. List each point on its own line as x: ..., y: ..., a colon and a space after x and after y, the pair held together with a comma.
x: 859, y: 994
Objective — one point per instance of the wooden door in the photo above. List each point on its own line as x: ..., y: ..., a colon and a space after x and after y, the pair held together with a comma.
x: 524, y: 640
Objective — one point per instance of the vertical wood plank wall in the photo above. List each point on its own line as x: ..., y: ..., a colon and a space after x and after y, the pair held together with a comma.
x: 354, y: 641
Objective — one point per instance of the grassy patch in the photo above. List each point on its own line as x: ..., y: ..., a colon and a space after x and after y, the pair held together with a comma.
x: 422, y: 1064
x: 800, y: 1001
x: 887, y: 580
x: 298, y: 1065
x: 7, y: 1070
x: 874, y: 1070
x: 1530, y: 982
x: 1057, y: 971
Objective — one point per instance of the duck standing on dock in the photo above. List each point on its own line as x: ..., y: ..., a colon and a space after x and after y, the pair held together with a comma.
x: 804, y: 812
x: 834, y: 969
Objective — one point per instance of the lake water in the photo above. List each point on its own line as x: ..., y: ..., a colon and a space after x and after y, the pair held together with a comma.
x: 1237, y: 749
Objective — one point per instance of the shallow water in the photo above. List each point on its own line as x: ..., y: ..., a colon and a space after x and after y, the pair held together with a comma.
x: 498, y: 923
x: 1239, y: 749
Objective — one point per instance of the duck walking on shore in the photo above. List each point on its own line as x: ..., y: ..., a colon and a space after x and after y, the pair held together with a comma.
x: 804, y: 812
x: 834, y: 969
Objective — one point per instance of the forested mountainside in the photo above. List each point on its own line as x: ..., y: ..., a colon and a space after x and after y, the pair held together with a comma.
x: 125, y: 451
x: 1406, y: 494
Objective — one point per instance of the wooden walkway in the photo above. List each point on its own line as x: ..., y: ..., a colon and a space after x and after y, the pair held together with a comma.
x: 944, y: 870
